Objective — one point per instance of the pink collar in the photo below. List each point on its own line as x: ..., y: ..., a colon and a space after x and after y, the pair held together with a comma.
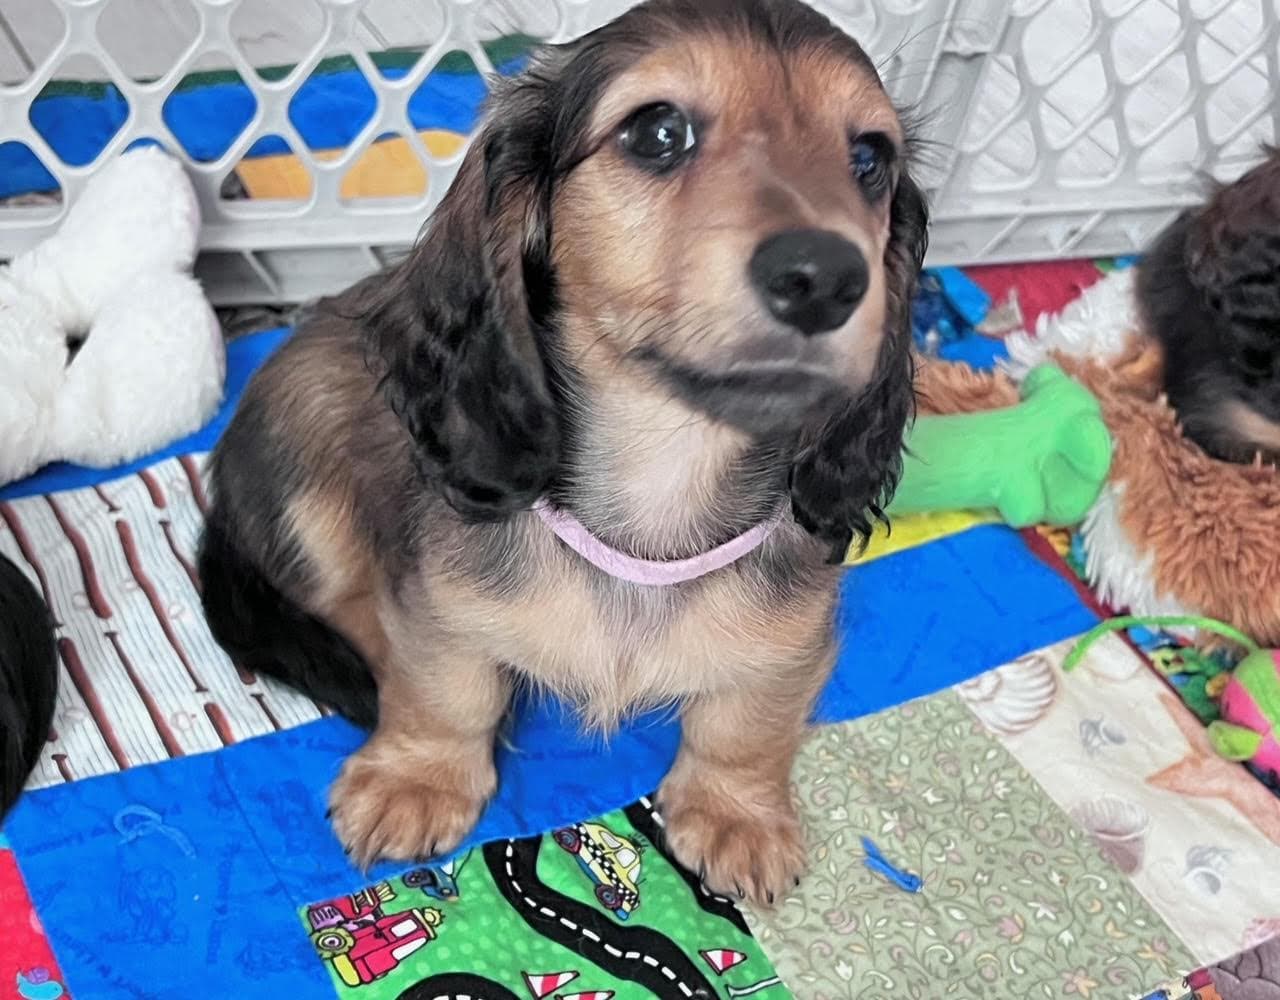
x: 650, y: 572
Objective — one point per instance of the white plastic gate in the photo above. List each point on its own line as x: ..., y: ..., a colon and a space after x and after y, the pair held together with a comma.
x: 1056, y: 127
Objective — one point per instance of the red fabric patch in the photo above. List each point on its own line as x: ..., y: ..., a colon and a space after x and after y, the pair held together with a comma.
x: 28, y: 970
x: 1042, y: 288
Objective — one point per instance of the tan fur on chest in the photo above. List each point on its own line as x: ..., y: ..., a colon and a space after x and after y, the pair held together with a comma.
x: 613, y: 649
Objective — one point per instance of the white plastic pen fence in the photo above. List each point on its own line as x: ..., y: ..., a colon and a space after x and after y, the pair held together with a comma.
x: 1053, y: 128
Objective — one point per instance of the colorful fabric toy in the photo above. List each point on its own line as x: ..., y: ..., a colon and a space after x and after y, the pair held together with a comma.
x: 110, y: 348
x: 1250, y: 707
x: 1248, y: 727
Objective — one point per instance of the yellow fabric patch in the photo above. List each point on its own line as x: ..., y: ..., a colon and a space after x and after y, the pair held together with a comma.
x: 914, y: 530
x: 387, y: 169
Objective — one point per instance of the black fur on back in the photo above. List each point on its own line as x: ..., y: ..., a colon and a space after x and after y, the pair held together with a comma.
x: 264, y: 631
x: 28, y: 680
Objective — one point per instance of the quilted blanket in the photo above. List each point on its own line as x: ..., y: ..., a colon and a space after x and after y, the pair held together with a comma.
x: 980, y: 823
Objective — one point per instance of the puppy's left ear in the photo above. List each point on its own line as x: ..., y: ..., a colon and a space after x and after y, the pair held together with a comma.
x: 455, y: 331
x: 845, y: 476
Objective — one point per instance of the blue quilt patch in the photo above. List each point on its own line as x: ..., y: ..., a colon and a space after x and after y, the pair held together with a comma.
x: 202, y: 861
x: 184, y: 878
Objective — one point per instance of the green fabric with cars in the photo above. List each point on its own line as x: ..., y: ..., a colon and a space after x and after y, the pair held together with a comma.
x: 592, y: 911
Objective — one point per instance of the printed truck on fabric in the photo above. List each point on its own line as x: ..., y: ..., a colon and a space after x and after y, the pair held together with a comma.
x: 362, y: 940
x: 592, y: 911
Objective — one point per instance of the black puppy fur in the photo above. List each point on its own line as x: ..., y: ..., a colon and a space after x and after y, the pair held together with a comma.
x: 1209, y: 291
x: 28, y: 680
x: 265, y: 632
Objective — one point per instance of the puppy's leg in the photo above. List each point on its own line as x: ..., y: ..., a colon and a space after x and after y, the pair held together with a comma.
x: 416, y: 788
x: 727, y: 801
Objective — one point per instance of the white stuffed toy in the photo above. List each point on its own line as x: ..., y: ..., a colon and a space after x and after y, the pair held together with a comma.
x: 116, y: 276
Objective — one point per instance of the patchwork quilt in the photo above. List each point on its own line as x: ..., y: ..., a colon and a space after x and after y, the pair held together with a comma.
x: 980, y: 824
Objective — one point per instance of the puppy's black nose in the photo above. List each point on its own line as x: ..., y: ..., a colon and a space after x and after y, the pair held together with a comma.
x: 811, y: 279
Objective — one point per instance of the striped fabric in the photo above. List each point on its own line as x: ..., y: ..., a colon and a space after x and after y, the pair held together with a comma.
x: 142, y: 679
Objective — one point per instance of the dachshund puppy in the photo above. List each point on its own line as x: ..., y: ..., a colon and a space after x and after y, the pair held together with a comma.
x: 607, y: 431
x: 1209, y: 291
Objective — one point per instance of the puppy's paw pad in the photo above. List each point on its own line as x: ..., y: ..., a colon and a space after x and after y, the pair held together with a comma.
x: 380, y: 812
x: 739, y: 855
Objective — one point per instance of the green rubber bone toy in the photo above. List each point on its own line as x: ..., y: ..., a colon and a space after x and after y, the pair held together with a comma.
x: 1041, y: 461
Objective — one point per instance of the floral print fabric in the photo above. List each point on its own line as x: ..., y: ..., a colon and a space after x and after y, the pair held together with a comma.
x: 1197, y: 835
x: 1016, y: 901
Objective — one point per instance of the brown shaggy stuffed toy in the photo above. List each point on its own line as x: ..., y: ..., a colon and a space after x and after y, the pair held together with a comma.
x: 1174, y: 531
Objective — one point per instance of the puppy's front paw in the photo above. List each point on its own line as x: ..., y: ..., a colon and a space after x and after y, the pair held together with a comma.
x: 386, y: 805
x: 737, y: 852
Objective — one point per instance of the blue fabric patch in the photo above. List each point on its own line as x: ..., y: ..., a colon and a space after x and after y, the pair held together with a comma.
x: 244, y: 355
x: 328, y: 111
x: 947, y: 309
x: 925, y: 619
x: 199, y: 864
x: 21, y: 171
x: 965, y: 295
x: 978, y: 352
x: 153, y: 884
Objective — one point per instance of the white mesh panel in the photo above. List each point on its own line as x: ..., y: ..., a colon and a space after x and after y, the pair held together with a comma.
x: 1055, y: 127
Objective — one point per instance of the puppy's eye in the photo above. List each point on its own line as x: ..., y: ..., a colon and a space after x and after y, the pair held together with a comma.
x: 659, y: 136
x: 871, y: 160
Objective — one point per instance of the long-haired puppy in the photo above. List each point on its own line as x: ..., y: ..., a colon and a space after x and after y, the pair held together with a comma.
x: 662, y: 309
x: 1209, y: 290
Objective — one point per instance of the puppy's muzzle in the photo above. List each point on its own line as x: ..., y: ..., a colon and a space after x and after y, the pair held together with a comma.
x: 810, y: 279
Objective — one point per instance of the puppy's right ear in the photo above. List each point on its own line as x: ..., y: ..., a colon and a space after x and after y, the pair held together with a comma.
x: 843, y: 478
x: 453, y: 331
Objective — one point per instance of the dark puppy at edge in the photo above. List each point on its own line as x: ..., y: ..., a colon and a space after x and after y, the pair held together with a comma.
x: 28, y: 679
x: 669, y: 292
x: 1209, y: 290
